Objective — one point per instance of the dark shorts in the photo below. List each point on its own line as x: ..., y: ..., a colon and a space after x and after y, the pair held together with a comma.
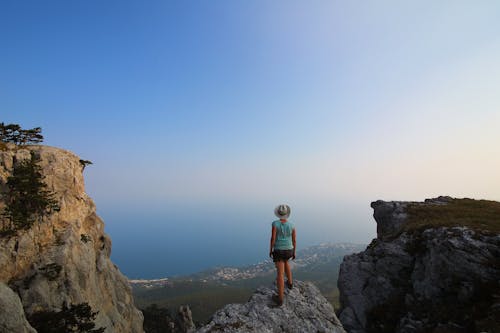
x: 282, y: 255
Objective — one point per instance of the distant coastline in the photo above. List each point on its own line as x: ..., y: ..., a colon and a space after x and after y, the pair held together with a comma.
x: 306, y: 256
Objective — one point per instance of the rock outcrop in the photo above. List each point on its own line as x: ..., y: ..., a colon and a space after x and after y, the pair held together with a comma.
x: 429, y: 279
x: 304, y: 310
x: 65, y: 259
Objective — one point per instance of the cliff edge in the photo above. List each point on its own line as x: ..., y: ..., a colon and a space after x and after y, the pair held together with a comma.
x: 304, y: 310
x: 434, y: 267
x: 64, y: 259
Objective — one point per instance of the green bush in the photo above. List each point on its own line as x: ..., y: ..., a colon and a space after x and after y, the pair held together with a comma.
x: 77, y: 318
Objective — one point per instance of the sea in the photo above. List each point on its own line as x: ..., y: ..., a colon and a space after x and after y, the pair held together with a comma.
x: 157, y: 245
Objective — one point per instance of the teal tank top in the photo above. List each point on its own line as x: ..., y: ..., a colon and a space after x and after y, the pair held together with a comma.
x: 283, y: 235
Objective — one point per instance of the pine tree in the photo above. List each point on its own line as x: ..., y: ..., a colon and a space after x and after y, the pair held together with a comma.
x: 15, y: 134
x: 27, y: 199
x: 77, y: 318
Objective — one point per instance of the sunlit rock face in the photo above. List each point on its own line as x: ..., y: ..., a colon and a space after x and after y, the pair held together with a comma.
x: 64, y: 259
x: 304, y: 310
x: 431, y: 279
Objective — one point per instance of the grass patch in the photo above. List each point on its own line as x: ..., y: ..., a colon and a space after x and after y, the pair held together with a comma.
x: 479, y: 215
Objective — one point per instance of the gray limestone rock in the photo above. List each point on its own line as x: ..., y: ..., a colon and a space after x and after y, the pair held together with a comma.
x: 12, y: 319
x: 445, y: 278
x: 185, y: 319
x: 304, y: 310
x: 390, y: 217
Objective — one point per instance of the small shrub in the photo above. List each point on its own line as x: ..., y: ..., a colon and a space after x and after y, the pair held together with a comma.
x: 84, y: 163
x: 85, y: 238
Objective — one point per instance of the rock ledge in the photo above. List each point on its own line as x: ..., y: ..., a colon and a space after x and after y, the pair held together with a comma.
x: 304, y: 310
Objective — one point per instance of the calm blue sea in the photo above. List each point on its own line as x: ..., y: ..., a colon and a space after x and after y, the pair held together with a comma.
x: 155, y: 245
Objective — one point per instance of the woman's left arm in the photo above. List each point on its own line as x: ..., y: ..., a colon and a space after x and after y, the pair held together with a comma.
x: 273, y: 240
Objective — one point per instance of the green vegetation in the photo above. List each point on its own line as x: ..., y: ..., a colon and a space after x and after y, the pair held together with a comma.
x: 77, y: 318
x: 15, y: 134
x: 27, y: 199
x: 203, y: 298
x: 480, y: 215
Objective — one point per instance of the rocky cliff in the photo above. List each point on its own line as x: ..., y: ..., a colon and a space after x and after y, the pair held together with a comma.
x: 434, y: 267
x: 64, y: 259
x: 304, y: 310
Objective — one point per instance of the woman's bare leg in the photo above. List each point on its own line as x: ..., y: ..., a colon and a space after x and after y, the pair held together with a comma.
x: 288, y: 272
x: 280, y: 279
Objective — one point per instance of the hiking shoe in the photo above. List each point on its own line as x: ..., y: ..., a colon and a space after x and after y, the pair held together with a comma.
x: 277, y: 300
x: 289, y: 285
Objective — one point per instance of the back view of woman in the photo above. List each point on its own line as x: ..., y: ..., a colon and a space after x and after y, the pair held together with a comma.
x: 282, y: 248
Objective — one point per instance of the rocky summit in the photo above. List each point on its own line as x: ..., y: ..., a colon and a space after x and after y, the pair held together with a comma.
x: 434, y: 267
x: 63, y: 260
x: 304, y: 310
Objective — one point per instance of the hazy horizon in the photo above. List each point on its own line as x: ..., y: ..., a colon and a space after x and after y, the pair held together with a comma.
x: 200, y: 117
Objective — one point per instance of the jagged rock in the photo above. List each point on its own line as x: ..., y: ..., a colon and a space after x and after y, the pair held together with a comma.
x: 439, y: 278
x: 185, y: 319
x: 12, y: 318
x: 65, y: 258
x: 304, y: 310
x: 390, y: 217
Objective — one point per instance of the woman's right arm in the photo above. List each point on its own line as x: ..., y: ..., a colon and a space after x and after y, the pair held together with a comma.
x: 294, y: 243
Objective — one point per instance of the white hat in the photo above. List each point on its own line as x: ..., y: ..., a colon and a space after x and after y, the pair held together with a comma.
x: 282, y: 211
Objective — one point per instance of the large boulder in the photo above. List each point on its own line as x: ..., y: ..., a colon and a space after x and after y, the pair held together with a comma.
x: 304, y: 310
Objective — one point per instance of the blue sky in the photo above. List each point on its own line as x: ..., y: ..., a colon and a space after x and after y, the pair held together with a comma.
x: 216, y: 110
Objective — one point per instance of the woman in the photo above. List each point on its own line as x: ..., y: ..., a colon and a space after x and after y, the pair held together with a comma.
x: 282, y: 248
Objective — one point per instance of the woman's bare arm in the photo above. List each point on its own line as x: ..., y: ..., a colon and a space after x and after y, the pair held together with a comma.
x: 273, y: 240
x: 294, y: 242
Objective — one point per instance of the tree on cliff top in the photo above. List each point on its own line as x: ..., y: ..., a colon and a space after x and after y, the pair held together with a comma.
x: 15, y: 134
x: 27, y: 199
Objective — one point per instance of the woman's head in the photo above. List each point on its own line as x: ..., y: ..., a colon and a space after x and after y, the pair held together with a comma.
x: 282, y: 211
